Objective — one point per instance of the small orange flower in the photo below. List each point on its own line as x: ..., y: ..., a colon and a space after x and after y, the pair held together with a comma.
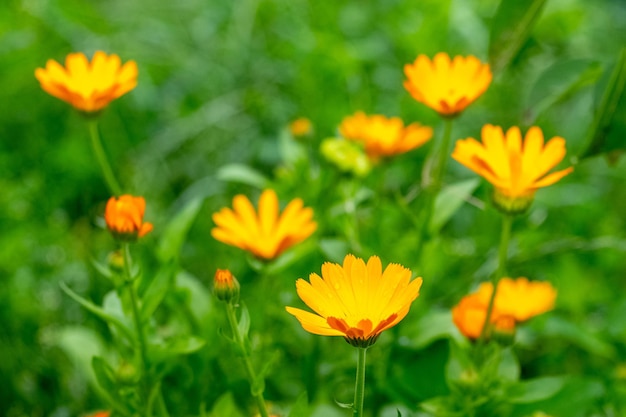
x: 446, y: 86
x: 100, y: 414
x: 124, y: 217
x: 225, y: 285
x: 301, y: 127
x: 356, y: 300
x: 267, y: 234
x: 382, y: 136
x: 515, y: 169
x: 88, y: 86
x: 517, y: 300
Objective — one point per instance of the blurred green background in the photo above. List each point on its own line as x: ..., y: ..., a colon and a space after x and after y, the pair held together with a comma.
x: 218, y: 81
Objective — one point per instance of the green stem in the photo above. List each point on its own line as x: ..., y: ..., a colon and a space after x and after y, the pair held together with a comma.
x: 505, y: 236
x: 252, y: 378
x: 96, y: 144
x: 433, y: 183
x: 144, y: 384
x: 359, y: 386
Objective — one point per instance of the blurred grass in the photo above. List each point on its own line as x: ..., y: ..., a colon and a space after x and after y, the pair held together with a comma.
x: 218, y: 81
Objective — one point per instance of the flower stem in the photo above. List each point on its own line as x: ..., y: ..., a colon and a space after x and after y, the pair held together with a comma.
x: 96, y: 144
x: 359, y: 386
x: 252, y: 378
x: 141, y: 339
x: 433, y: 183
x: 505, y: 236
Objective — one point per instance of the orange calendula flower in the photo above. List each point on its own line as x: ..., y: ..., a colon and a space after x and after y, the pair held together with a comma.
x: 268, y: 233
x: 100, y: 414
x: 382, y: 136
x: 356, y: 300
x: 88, y: 86
x: 300, y: 127
x: 516, y: 168
x: 447, y: 86
x: 124, y: 217
x: 517, y: 300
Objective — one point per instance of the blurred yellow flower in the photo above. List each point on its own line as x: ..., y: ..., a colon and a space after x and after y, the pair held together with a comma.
x: 517, y: 300
x: 447, y: 86
x: 267, y: 234
x: 88, y: 86
x: 300, y: 127
x: 356, y: 300
x: 124, y: 217
x: 515, y: 169
x: 382, y: 136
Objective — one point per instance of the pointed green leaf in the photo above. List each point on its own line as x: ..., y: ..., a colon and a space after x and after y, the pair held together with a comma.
x: 99, y: 312
x: 244, y: 322
x: 242, y: 174
x: 612, y: 102
x: 559, y: 81
x: 176, y: 230
x: 510, y: 28
x: 449, y: 200
x: 535, y: 389
x: 157, y: 289
x: 104, y: 375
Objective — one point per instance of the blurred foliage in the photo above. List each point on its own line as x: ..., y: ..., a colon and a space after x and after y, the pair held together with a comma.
x: 218, y: 82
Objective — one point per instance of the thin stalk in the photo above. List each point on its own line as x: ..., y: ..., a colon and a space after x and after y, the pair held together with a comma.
x: 359, y: 385
x: 505, y: 236
x: 96, y: 144
x: 434, y: 183
x: 141, y: 338
x: 252, y: 378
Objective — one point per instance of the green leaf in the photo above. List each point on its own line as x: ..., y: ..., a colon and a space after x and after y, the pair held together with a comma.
x: 244, y: 322
x: 176, y: 230
x: 226, y: 406
x: 104, y: 375
x: 158, y: 287
x: 80, y: 344
x: 300, y: 407
x: 508, y: 368
x: 242, y: 174
x: 334, y: 249
x: 200, y: 301
x: 579, y: 335
x: 99, y: 312
x: 449, y: 200
x: 558, y: 82
x: 179, y: 345
x: 612, y: 101
x: 510, y: 28
x: 535, y: 389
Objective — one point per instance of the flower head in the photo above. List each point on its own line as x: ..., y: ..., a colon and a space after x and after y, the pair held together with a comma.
x: 517, y: 300
x: 346, y: 156
x: 447, y: 86
x: 88, y: 86
x: 356, y: 300
x: 382, y: 136
x: 300, y: 127
x: 100, y: 414
x: 124, y: 217
x: 225, y: 285
x: 268, y: 233
x: 515, y: 168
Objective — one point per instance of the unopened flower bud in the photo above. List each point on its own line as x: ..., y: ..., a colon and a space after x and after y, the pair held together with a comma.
x: 116, y: 262
x: 225, y: 286
x: 127, y: 374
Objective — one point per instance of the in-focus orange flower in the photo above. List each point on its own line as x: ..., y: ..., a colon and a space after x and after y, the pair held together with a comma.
x: 268, y: 233
x: 88, y: 86
x: 516, y: 168
x: 300, y: 127
x: 517, y: 300
x: 447, y: 86
x: 382, y: 136
x: 124, y: 217
x: 356, y: 300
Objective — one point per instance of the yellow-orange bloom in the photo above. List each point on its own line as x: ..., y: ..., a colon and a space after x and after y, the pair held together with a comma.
x: 124, y: 217
x: 300, y: 127
x: 356, y: 300
x: 267, y: 234
x: 382, y: 136
x: 88, y: 86
x: 517, y: 300
x: 225, y: 285
x: 100, y: 414
x: 515, y: 169
x: 447, y: 86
